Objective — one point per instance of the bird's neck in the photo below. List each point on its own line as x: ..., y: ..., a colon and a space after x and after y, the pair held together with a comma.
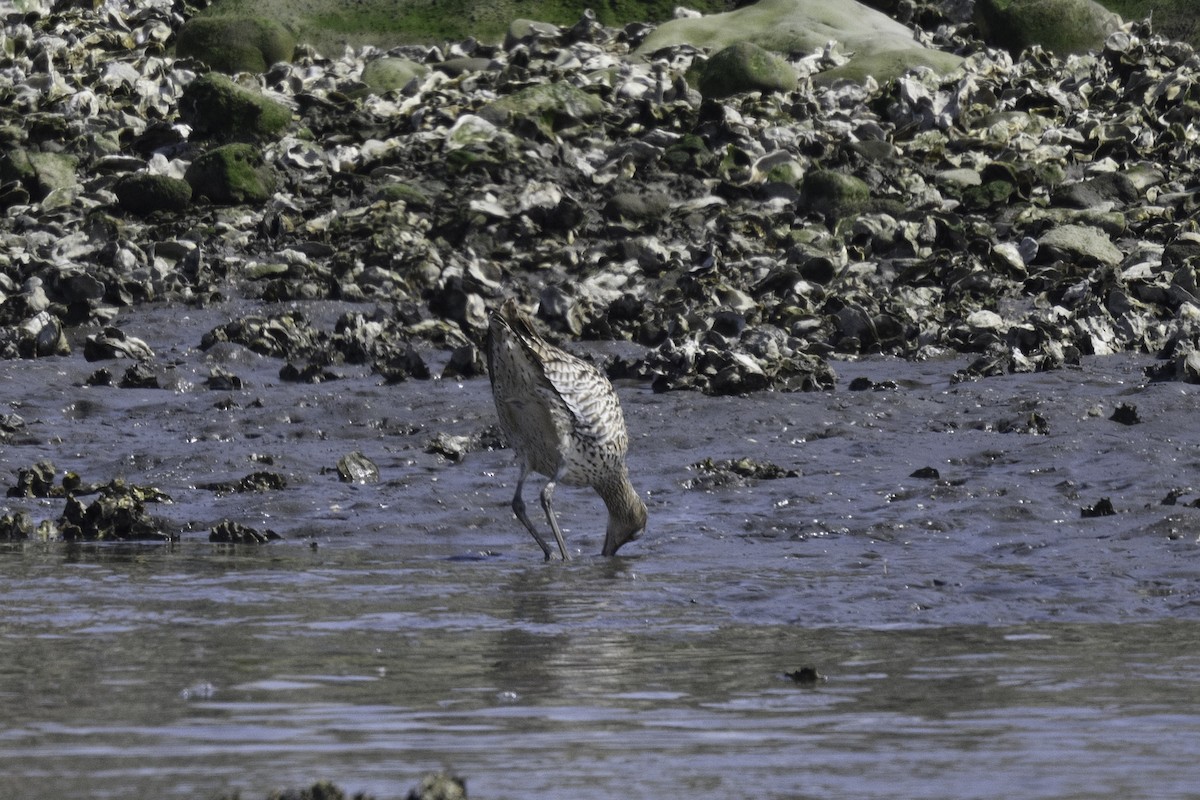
x: 620, y: 497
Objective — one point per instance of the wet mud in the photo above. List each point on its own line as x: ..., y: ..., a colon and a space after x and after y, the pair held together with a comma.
x: 908, y: 470
x: 926, y: 549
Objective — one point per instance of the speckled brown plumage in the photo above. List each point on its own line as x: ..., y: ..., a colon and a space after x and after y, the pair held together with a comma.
x: 564, y: 421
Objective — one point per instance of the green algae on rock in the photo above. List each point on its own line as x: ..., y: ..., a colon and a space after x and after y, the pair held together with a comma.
x: 43, y: 174
x: 547, y: 107
x: 143, y: 193
x: 882, y: 47
x: 217, y: 108
x: 232, y: 174
x: 391, y: 73
x: 1060, y: 26
x: 745, y: 67
x: 235, y: 43
x: 834, y: 194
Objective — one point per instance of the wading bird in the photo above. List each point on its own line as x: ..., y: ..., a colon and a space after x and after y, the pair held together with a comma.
x: 564, y: 421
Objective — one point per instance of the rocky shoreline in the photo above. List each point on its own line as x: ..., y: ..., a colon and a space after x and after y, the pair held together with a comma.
x: 1028, y: 211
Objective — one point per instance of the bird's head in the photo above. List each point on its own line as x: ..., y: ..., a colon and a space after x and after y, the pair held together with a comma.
x: 625, y: 524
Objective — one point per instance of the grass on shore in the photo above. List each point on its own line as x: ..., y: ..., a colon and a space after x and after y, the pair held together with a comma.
x: 323, y: 23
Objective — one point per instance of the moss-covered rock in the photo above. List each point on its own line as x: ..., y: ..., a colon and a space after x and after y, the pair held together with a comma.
x: 835, y: 194
x: 522, y: 30
x: 547, y: 107
x: 880, y: 45
x: 143, y: 193
x: 220, y: 109
x: 1060, y: 26
x: 42, y: 174
x: 745, y: 67
x: 389, y: 73
x: 235, y: 43
x: 400, y: 192
x: 232, y: 174
x: 331, y: 25
x: 1080, y: 243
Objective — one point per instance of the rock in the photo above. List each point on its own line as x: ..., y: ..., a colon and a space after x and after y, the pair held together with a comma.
x: 42, y: 174
x: 745, y: 67
x: 734, y: 473
x: 1111, y: 188
x: 229, y: 532
x: 1060, y: 26
x: 117, y: 514
x: 16, y: 526
x: 261, y: 481
x: 222, y: 380
x: 220, y: 109
x: 883, y: 47
x: 640, y: 207
x: 390, y: 73
x: 453, y: 448
x: 733, y: 244
x: 234, y: 43
x: 837, y: 195
x: 357, y: 468
x: 309, y: 373
x: 455, y: 67
x: 1079, y: 242
x: 140, y: 376
x: 439, y: 786
x: 114, y: 343
x: 524, y: 31
x: 36, y: 481
x: 805, y: 676
x: 1185, y: 367
x: 465, y: 362
x: 1126, y: 414
x: 232, y: 174
x: 36, y: 337
x: 1102, y: 508
x: 143, y: 194
x: 545, y: 107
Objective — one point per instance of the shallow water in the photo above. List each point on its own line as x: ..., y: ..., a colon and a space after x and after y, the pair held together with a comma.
x: 978, y: 637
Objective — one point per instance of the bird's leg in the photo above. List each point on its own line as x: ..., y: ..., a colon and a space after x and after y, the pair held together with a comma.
x: 518, y: 507
x: 547, y: 497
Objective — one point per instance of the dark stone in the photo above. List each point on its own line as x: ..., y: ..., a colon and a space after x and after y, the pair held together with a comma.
x: 143, y: 194
x: 1103, y: 508
x: 220, y: 109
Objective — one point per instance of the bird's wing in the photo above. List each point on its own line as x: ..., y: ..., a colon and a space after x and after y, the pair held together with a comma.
x: 588, y: 397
